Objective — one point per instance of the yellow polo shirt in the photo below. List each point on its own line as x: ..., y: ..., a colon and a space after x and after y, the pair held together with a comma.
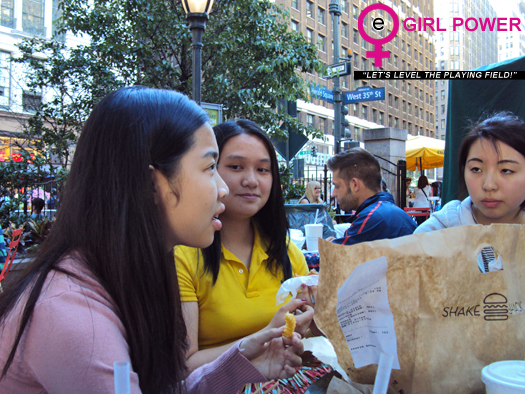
x: 241, y: 302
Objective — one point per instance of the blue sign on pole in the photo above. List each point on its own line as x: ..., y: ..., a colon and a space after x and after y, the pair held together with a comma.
x: 364, y: 94
x: 322, y: 93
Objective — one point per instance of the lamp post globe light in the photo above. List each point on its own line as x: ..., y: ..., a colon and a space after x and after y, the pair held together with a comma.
x: 197, y: 14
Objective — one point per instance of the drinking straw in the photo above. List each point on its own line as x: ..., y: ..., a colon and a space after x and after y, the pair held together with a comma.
x: 121, y: 376
x: 383, y: 373
x: 316, y: 213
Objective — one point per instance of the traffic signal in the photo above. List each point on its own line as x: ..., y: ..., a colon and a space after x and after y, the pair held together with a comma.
x: 314, y: 151
x: 345, y: 131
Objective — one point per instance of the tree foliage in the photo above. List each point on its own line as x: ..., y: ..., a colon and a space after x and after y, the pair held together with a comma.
x: 250, y: 58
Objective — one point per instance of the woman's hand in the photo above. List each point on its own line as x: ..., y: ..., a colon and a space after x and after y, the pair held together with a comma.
x: 273, y: 355
x: 302, y: 318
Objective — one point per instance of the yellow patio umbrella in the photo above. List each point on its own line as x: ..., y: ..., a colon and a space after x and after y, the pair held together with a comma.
x: 424, y: 152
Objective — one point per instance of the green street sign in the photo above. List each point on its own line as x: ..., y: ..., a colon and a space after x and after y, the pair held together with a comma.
x: 214, y: 113
x: 305, y: 152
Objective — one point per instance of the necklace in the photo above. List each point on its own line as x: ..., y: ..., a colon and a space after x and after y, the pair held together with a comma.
x: 472, y: 212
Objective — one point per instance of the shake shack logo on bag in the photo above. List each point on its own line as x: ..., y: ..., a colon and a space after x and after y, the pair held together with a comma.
x: 494, y: 308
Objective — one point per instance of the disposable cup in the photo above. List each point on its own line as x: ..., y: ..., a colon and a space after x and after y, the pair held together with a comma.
x: 313, y: 232
x: 504, y: 377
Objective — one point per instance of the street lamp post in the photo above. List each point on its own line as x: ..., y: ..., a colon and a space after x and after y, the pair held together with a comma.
x: 197, y: 15
x: 335, y: 9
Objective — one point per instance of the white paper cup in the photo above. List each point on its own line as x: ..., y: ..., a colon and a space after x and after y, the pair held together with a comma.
x: 504, y: 377
x: 313, y: 232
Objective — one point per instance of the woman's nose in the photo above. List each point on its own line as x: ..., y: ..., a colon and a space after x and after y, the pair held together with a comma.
x: 223, y: 188
x: 490, y: 183
x: 249, y: 179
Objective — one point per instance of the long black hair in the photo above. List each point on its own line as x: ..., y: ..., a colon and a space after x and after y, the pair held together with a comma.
x: 108, y: 216
x: 271, y: 219
x: 502, y: 127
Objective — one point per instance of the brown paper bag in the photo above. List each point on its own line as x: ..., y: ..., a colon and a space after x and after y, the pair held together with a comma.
x: 450, y: 319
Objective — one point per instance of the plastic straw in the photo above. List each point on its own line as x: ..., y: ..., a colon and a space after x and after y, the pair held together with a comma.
x: 121, y: 375
x: 316, y: 213
x: 383, y: 373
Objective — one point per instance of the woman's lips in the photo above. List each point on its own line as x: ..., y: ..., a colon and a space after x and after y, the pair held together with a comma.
x: 249, y: 197
x: 490, y: 203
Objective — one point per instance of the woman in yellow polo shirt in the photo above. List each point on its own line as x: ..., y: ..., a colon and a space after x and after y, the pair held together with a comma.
x: 228, y: 290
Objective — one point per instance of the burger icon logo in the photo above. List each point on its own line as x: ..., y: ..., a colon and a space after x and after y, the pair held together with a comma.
x: 495, y: 307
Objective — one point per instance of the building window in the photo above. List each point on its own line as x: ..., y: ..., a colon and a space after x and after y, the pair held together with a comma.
x: 382, y: 118
x: 443, y: 108
x: 356, y: 61
x: 310, y: 35
x: 344, y: 30
x: 31, y: 101
x: 310, y: 9
x: 364, y: 63
x: 322, y: 124
x: 363, y: 43
x: 33, y: 17
x: 390, y: 100
x: 295, y: 4
x: 442, y: 95
x: 409, y: 108
x: 365, y: 112
x: 356, y: 36
x: 344, y: 6
x: 374, y: 115
x: 404, y: 106
x: 320, y: 16
x: 395, y: 61
x: 6, y: 14
x: 396, y: 123
x: 295, y: 25
x: 5, y: 78
x: 310, y: 120
x: 355, y: 11
x: 390, y: 121
x: 442, y: 124
x: 409, y: 90
x: 321, y: 43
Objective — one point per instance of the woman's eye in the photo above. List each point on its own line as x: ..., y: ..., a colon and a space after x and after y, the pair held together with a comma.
x: 507, y: 171
x: 475, y: 169
x: 213, y: 167
x: 264, y: 170
x: 234, y: 166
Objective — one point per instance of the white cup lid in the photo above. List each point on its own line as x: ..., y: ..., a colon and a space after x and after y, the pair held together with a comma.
x: 510, y: 373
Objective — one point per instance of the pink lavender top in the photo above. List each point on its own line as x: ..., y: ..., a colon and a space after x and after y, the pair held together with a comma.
x: 74, y: 337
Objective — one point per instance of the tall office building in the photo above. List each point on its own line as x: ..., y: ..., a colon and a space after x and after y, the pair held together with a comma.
x: 19, y: 20
x: 462, y: 49
x: 408, y: 104
x: 511, y: 44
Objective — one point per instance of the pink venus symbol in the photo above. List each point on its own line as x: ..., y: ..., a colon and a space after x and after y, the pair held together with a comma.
x: 378, y: 54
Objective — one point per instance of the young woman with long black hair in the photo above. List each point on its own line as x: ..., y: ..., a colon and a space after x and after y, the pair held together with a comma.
x: 103, y: 286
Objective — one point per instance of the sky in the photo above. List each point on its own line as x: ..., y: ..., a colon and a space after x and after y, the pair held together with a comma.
x: 503, y: 7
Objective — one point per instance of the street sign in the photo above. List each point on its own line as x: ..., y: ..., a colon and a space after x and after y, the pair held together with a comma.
x: 364, y: 94
x: 322, y: 93
x: 339, y: 70
x: 304, y: 152
x: 214, y: 113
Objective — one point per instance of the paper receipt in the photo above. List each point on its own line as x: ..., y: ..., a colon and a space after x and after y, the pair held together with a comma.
x: 364, y: 314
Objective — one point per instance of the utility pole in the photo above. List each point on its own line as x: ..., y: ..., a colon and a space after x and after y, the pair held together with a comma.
x: 335, y: 10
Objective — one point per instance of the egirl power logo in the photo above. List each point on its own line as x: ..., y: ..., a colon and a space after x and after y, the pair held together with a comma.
x: 422, y: 24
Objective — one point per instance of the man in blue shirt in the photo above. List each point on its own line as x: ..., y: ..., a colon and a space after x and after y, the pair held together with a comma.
x: 357, y: 181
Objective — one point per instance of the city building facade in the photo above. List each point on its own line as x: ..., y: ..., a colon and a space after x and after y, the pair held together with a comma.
x: 408, y: 104
x: 460, y: 50
x: 19, y: 20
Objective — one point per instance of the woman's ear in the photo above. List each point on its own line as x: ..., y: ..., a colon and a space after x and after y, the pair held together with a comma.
x: 154, y: 183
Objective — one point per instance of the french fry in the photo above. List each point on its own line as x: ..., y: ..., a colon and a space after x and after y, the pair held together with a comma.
x: 290, y: 325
